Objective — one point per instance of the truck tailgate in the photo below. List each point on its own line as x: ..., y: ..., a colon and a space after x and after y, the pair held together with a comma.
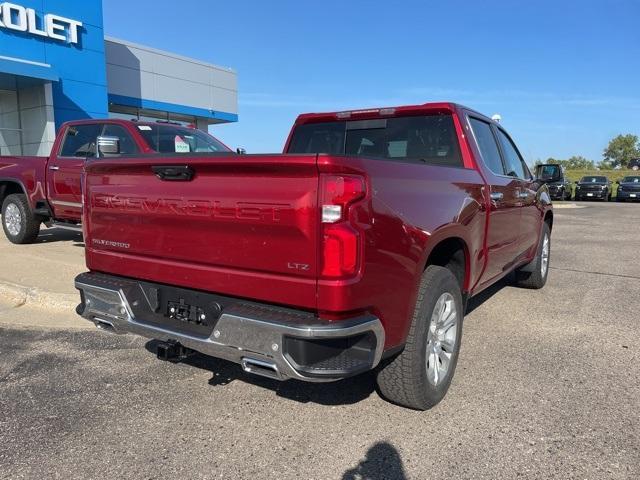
x: 242, y: 225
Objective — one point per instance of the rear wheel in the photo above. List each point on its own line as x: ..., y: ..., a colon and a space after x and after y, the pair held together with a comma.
x: 18, y: 221
x: 534, y: 274
x: 420, y: 376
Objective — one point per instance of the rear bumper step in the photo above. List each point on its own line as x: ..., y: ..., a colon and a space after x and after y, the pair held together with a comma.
x: 270, y: 341
x: 74, y: 227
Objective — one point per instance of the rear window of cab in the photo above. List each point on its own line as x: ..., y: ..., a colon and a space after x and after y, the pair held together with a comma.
x: 428, y: 139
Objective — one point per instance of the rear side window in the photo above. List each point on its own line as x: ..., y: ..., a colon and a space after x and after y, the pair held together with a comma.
x: 515, y: 165
x: 177, y: 139
x: 80, y: 141
x: 429, y: 138
x: 487, y: 145
x: 318, y: 138
x: 127, y: 145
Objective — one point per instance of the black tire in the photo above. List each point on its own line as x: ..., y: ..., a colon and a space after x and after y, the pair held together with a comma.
x: 29, y: 224
x: 532, y: 274
x: 404, y: 380
x: 605, y: 198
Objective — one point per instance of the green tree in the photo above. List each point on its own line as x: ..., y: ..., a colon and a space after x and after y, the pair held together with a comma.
x: 605, y: 165
x: 578, y: 162
x: 622, y: 149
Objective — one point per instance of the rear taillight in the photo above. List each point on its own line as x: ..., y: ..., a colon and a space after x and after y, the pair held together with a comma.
x: 341, y: 250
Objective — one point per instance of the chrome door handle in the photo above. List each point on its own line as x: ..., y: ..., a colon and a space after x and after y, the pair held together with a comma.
x: 55, y: 168
x: 496, y: 196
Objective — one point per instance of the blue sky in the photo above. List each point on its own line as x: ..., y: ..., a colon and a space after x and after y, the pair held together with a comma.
x: 564, y: 75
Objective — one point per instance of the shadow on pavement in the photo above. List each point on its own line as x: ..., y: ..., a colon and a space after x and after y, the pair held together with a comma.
x: 52, y: 235
x: 382, y: 461
x: 343, y: 392
x: 478, y: 300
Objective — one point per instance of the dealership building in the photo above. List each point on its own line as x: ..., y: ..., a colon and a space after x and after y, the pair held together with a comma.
x: 57, y: 65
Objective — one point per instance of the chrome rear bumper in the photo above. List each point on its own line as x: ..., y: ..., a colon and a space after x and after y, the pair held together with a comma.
x: 270, y: 341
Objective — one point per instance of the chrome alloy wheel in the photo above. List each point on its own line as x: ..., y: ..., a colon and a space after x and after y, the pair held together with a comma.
x: 13, y: 219
x: 441, y: 338
x: 544, y: 263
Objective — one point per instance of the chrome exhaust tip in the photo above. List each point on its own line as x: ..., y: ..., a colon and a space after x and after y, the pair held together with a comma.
x: 104, y: 325
x: 262, y: 368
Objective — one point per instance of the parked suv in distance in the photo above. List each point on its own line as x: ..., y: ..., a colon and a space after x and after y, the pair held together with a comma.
x: 593, y: 187
x: 634, y: 164
x: 628, y: 188
x: 558, y: 190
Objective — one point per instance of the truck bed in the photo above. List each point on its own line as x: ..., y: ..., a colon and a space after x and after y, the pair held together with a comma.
x: 30, y: 171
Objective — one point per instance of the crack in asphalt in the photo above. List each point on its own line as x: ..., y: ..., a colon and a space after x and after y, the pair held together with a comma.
x: 619, y: 275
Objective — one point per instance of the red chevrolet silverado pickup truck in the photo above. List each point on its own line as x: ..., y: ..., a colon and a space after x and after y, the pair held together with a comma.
x: 36, y: 190
x: 356, y: 249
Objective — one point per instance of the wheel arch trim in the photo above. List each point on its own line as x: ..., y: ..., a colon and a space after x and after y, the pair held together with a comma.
x: 4, y: 182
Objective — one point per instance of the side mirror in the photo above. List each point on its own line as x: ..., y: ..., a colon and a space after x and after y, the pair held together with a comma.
x: 577, y: 182
x: 108, y: 146
x: 241, y: 151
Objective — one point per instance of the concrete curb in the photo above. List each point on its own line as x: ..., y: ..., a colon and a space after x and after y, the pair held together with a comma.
x: 19, y: 296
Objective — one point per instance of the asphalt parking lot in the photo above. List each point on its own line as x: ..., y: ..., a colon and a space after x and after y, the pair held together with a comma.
x: 547, y: 386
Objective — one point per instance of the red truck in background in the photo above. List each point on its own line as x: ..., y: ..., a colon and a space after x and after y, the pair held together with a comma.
x: 36, y: 190
x: 357, y: 249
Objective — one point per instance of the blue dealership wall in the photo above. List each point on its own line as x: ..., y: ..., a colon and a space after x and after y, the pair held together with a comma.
x: 77, y: 71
